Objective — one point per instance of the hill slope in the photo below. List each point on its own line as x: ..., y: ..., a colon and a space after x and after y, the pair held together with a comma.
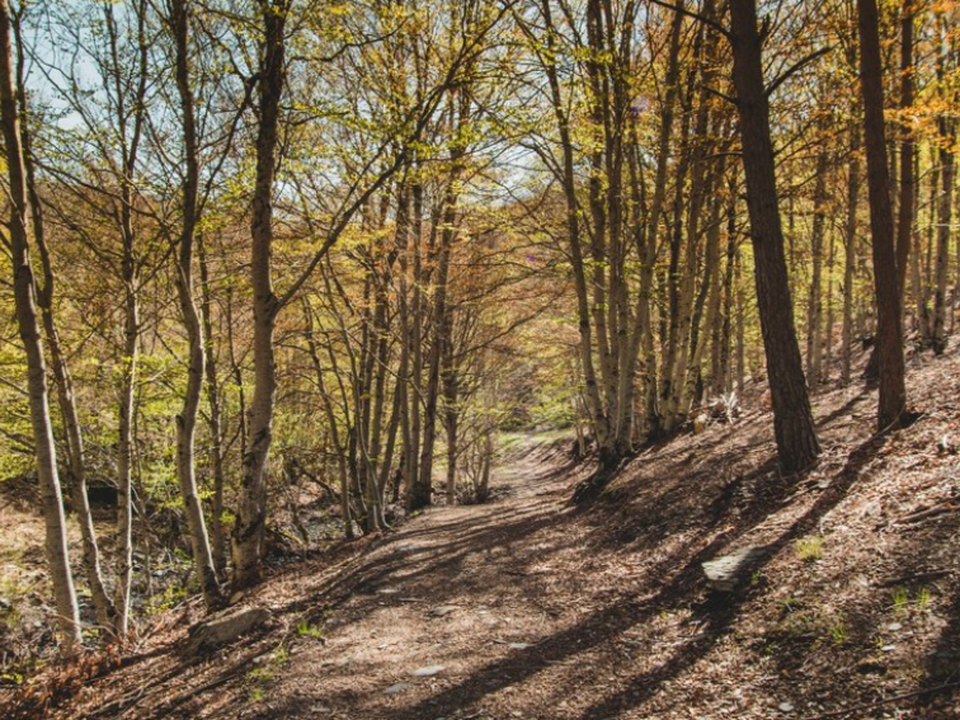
x: 526, y: 608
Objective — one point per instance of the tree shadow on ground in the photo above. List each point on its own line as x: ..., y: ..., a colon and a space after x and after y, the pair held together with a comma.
x: 425, y: 561
x: 686, y: 588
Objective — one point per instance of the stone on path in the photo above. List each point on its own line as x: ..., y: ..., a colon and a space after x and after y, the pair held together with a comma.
x: 428, y: 671
x: 442, y: 610
x: 723, y: 573
x: 397, y: 688
x: 223, y: 627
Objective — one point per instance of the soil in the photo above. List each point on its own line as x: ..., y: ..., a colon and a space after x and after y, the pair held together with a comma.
x: 529, y: 608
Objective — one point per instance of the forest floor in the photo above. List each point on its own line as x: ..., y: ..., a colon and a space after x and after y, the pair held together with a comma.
x: 527, y: 608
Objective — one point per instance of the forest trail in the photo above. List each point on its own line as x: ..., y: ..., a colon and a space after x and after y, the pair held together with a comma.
x: 455, y: 614
x: 446, y: 613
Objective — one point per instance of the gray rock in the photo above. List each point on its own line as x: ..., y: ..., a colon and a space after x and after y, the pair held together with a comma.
x: 443, y: 610
x: 428, y: 671
x: 222, y: 628
x: 723, y: 573
x: 397, y: 688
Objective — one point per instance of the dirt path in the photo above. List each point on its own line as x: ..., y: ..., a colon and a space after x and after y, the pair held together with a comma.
x: 442, y: 620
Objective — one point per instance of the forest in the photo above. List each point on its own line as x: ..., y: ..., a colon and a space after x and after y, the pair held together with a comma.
x: 313, y: 309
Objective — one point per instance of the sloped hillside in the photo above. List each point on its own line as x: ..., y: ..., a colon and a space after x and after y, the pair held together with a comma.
x: 527, y: 608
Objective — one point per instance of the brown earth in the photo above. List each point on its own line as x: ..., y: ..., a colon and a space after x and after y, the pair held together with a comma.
x: 526, y: 608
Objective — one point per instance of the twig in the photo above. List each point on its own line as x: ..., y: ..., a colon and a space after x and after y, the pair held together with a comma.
x: 941, y: 508
x: 885, y: 701
x: 914, y: 577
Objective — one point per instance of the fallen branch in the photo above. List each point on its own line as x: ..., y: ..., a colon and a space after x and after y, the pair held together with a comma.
x: 926, y: 513
x: 885, y: 701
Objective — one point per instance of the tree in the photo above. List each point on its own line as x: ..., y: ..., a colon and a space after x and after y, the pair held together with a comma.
x: 251, y: 517
x: 797, y: 443
x: 893, y: 397
x: 25, y: 297
x: 180, y: 13
x: 66, y: 396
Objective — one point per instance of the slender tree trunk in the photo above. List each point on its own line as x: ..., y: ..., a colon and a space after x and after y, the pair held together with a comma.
x: 815, y: 303
x: 76, y: 466
x: 941, y: 303
x: 187, y: 419
x: 451, y: 418
x: 643, y: 336
x: 741, y: 353
x: 918, y: 285
x: 413, y: 490
x: 441, y: 336
x: 218, y: 540
x: 599, y: 419
x: 893, y: 395
x: 128, y: 380
x: 797, y: 443
x: 332, y: 423
x: 724, y: 381
x: 850, y: 254
x: 24, y: 297
x: 828, y: 341
x: 905, y: 207
x: 252, y: 507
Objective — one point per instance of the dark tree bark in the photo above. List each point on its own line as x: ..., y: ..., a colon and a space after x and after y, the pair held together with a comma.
x: 893, y: 396
x: 797, y: 443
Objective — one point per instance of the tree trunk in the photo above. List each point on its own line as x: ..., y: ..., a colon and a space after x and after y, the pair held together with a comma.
x: 850, y: 255
x: 889, y: 331
x: 218, y: 540
x: 815, y: 303
x: 598, y: 417
x: 187, y: 419
x: 338, y: 446
x: 905, y: 207
x: 917, y: 281
x: 941, y: 303
x: 741, y: 324
x: 76, y: 465
x: 252, y: 507
x: 24, y: 290
x: 828, y: 340
x: 451, y: 416
x: 129, y: 364
x: 797, y: 443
